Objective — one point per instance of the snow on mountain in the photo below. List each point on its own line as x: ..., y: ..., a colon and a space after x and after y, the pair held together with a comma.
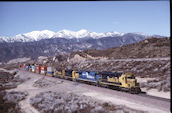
x: 3, y: 39
x: 46, y: 34
x: 27, y: 37
x: 114, y: 34
x: 79, y: 34
x: 84, y: 33
x: 65, y: 34
x: 37, y: 35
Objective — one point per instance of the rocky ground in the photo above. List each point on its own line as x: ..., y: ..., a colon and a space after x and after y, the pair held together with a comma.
x: 38, y: 93
x: 9, y: 100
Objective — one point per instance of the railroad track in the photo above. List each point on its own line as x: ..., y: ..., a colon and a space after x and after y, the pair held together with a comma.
x: 154, y: 97
x: 143, y: 94
x: 142, y: 98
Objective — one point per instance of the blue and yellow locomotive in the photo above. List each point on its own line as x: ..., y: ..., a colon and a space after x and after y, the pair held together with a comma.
x: 125, y: 81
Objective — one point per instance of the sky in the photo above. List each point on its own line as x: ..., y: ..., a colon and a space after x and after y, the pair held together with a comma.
x: 149, y: 17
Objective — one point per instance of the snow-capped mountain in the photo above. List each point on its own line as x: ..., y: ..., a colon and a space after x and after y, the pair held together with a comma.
x: 49, y: 43
x: 28, y: 37
x: 71, y: 34
x: 84, y: 33
x: 37, y: 35
x: 68, y: 34
x: 3, y: 39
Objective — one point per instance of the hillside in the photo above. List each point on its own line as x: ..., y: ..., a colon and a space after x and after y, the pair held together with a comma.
x: 148, y: 59
x: 148, y: 48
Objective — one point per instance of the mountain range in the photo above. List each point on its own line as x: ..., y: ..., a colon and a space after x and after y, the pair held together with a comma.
x: 68, y: 34
x: 48, y: 43
x: 147, y: 48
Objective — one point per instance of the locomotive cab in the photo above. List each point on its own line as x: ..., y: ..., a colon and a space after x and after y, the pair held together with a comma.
x: 131, y: 83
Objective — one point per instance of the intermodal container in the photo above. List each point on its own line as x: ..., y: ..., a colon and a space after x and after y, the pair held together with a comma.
x: 21, y: 66
x: 50, y: 71
x: 38, y: 69
x: 27, y: 67
x: 30, y: 69
x: 24, y: 66
x: 43, y: 70
x: 33, y: 69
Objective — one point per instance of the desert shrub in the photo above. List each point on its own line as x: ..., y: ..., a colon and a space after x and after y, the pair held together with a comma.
x: 52, y: 102
x: 9, y: 101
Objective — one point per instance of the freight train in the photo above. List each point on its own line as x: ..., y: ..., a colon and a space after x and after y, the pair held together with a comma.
x: 124, y: 81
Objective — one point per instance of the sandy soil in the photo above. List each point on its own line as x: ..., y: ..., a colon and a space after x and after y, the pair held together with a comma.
x: 60, y: 85
x: 153, y: 92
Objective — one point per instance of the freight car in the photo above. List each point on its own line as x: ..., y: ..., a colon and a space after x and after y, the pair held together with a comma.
x: 27, y: 67
x: 33, y: 68
x: 38, y: 69
x: 30, y: 68
x: 50, y: 71
x: 43, y: 70
x: 23, y: 67
x: 124, y: 81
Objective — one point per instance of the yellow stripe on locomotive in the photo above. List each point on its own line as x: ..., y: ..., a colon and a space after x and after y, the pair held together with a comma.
x: 125, y: 81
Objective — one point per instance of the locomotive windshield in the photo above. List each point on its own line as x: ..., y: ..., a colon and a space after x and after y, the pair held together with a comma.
x: 131, y: 77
